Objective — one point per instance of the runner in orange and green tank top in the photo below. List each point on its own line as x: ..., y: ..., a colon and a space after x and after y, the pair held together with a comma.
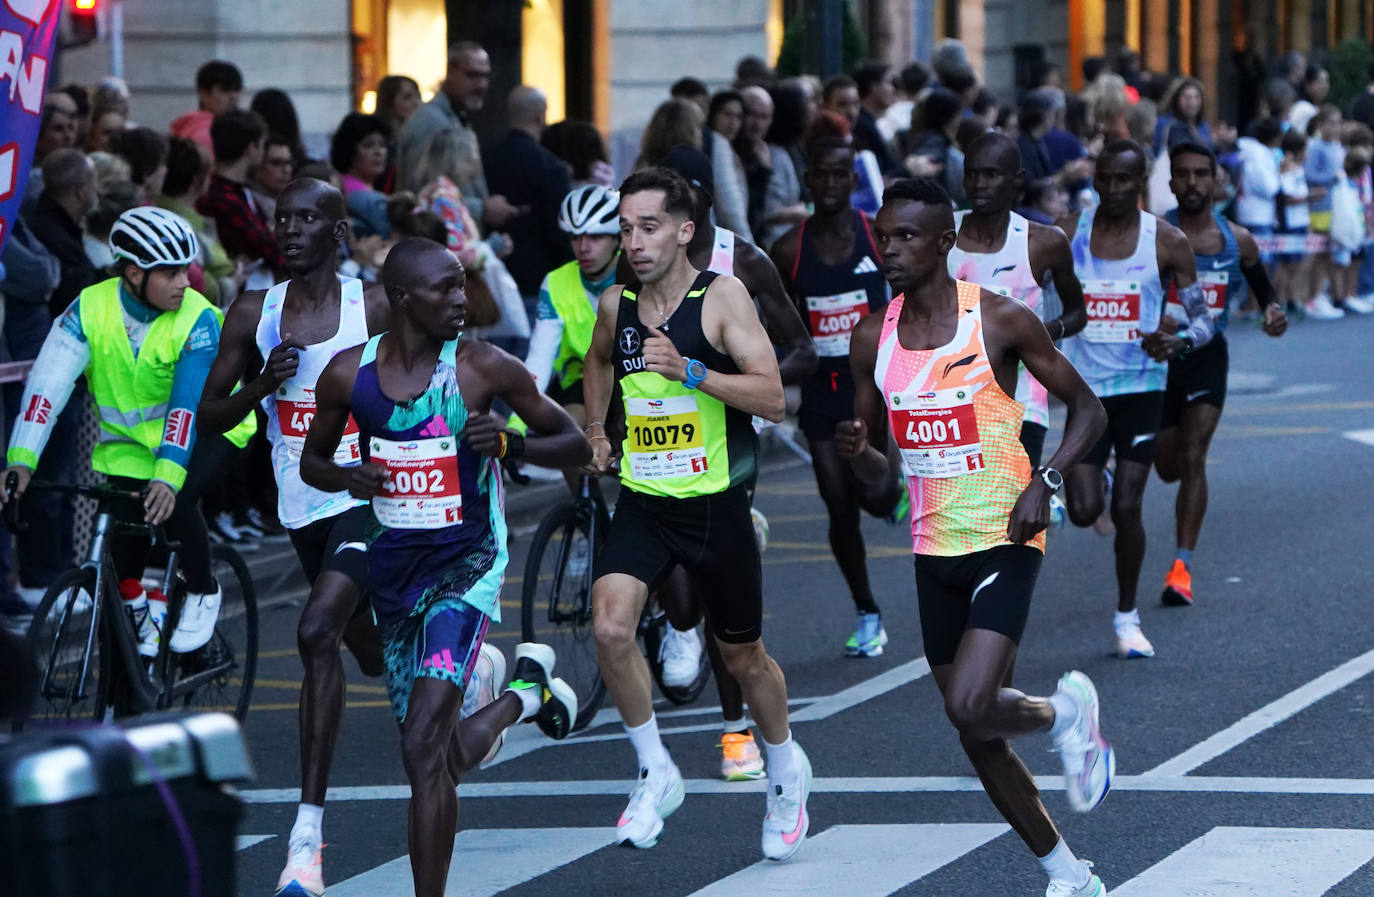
x: 939, y: 366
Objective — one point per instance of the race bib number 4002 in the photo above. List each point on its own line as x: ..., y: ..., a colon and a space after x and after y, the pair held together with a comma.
x: 422, y: 490
x: 937, y: 432
x: 1113, y: 311
x: 832, y: 320
x: 664, y: 438
x: 296, y: 410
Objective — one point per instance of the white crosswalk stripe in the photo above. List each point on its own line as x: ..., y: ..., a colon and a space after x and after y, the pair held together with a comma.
x: 1256, y: 862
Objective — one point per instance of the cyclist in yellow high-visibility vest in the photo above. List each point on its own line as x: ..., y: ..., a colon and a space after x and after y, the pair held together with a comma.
x: 145, y: 342
x: 590, y: 215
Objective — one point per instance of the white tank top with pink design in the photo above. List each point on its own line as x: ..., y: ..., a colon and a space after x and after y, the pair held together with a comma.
x: 1007, y: 272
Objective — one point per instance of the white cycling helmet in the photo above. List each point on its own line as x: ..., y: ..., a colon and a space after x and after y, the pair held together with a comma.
x: 591, y: 209
x: 154, y: 238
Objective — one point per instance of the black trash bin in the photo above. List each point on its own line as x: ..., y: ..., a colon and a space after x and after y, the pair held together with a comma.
x: 140, y: 810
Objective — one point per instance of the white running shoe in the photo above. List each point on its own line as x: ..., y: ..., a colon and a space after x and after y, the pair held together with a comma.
x: 680, y: 654
x: 1089, y: 761
x: 579, y: 556
x: 654, y: 799
x: 304, y: 873
x: 1359, y: 305
x: 488, y: 679
x: 1131, y: 642
x: 1093, y: 887
x: 787, y: 822
x: 197, y: 622
x: 1321, y: 309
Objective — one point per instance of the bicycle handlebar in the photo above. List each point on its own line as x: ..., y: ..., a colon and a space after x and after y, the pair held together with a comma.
x: 100, y: 492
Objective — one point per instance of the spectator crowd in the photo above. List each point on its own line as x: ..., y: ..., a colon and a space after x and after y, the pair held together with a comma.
x: 1298, y: 176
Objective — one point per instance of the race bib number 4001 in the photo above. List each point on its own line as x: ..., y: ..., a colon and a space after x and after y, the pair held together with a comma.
x: 1215, y: 285
x: 296, y: 410
x: 832, y: 320
x: 1113, y: 311
x: 937, y: 432
x: 422, y: 489
x: 664, y: 438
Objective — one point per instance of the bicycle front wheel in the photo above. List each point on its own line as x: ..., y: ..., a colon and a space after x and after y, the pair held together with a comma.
x: 69, y: 653
x: 219, y: 676
x: 556, y: 604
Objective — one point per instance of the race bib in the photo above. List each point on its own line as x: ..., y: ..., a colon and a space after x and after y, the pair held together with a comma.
x: 1215, y: 287
x: 422, y: 490
x: 1113, y: 311
x: 663, y: 438
x: 937, y: 432
x: 832, y: 320
x: 295, y: 411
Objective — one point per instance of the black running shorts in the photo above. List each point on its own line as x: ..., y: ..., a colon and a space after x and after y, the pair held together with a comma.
x: 1197, y: 377
x: 711, y: 536
x: 988, y: 589
x: 335, y: 543
x: 1132, y: 425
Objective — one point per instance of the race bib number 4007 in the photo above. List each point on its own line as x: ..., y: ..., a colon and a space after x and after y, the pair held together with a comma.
x: 832, y: 320
x: 1113, y: 311
x: 422, y: 490
x: 937, y: 432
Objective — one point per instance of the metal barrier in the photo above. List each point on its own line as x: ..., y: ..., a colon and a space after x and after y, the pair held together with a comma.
x: 15, y: 371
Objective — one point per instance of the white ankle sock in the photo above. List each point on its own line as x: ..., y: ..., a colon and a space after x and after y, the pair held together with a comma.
x: 782, y: 760
x: 648, y: 746
x: 1129, y: 618
x: 735, y: 725
x: 309, y: 823
x: 1061, y: 865
x: 1065, y: 714
x: 530, y: 702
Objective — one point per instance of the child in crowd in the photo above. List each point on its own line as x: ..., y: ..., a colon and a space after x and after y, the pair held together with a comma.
x: 1293, y: 220
x: 1322, y: 168
x: 1348, y: 233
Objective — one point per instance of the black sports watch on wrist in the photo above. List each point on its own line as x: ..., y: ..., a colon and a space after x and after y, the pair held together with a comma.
x: 1188, y: 346
x: 1052, y: 478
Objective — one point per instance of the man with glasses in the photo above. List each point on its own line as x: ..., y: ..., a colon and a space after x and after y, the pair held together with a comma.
x: 273, y: 173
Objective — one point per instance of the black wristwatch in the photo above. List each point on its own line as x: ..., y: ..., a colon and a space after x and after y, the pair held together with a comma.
x: 1052, y: 478
x: 1188, y: 346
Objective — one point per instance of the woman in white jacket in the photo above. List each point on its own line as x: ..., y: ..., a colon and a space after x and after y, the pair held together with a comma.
x: 1259, y: 180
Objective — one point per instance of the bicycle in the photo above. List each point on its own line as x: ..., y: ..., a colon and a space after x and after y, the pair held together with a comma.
x: 557, y: 590
x: 85, y: 645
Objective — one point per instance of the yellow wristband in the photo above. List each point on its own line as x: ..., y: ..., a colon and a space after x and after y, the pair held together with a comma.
x: 502, y: 453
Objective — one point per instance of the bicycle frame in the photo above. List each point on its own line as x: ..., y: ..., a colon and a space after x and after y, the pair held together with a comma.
x: 587, y: 504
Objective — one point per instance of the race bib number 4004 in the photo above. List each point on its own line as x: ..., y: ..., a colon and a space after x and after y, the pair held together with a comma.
x: 832, y: 320
x: 664, y: 438
x: 296, y: 410
x: 422, y: 489
x: 1113, y: 311
x: 937, y: 432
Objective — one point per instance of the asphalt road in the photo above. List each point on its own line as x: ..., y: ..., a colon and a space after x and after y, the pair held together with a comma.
x: 1243, y: 760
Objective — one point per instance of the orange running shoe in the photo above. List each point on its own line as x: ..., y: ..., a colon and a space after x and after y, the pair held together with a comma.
x: 1178, y: 585
x: 740, y: 758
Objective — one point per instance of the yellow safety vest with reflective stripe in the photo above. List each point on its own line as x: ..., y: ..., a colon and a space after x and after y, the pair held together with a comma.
x: 131, y: 394
x: 569, y: 299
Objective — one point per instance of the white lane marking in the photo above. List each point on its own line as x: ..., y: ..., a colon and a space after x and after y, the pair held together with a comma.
x: 873, y: 860
x: 837, y: 785
x: 484, y: 861
x: 1365, y: 436
x: 856, y: 694
x: 1266, y: 717
x: 243, y: 842
x: 1250, y: 862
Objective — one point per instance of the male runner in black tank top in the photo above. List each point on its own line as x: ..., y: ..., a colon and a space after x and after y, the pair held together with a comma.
x: 740, y: 757
x: 830, y: 266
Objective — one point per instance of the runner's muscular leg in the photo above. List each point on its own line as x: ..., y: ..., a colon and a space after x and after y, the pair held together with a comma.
x: 1009, y: 785
x: 328, y: 609
x: 617, y: 600
x: 1083, y: 491
x: 727, y: 686
x: 683, y: 602
x: 836, y: 484
x: 761, y: 680
x: 426, y: 738
x: 1169, y: 453
x: 364, y: 642
x: 1128, y: 492
x: 475, y: 734
x: 1198, y: 425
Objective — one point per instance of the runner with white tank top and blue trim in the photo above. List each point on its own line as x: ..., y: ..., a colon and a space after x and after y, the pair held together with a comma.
x: 1123, y: 257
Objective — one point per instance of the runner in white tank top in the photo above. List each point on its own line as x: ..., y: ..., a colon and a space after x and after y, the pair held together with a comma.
x: 1003, y: 252
x: 1124, y: 256
x: 322, y: 314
